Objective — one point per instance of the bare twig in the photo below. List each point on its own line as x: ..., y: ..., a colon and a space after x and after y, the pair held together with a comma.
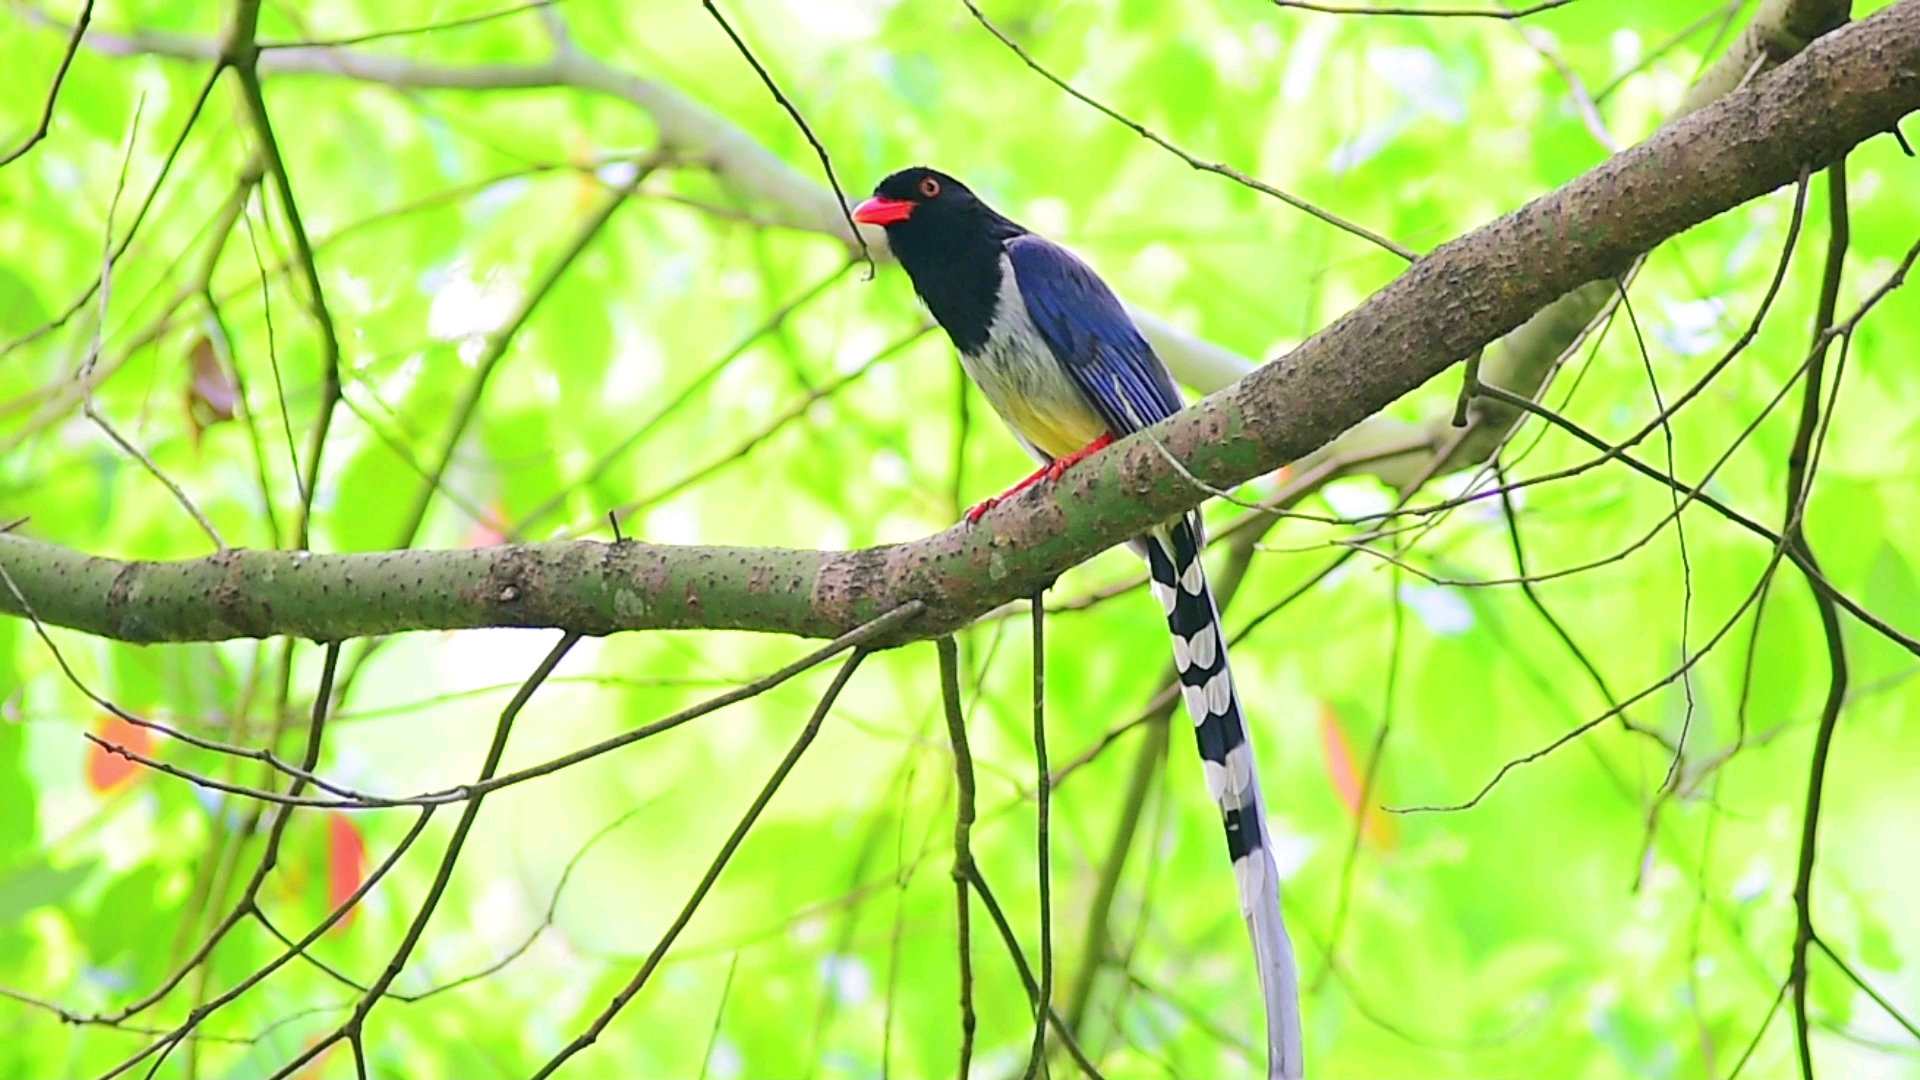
x: 962, y: 832
x: 1583, y: 102
x: 1759, y: 1032
x: 616, y: 451
x: 352, y: 1028
x: 249, y: 897
x: 53, y: 89
x: 412, y: 31
x: 820, y: 151
x: 1424, y: 13
x: 94, y: 350
x: 1217, y: 168
x: 1671, y: 450
x: 1867, y: 988
x: 739, y: 834
x: 1872, y: 621
x: 1800, y: 470
x: 1012, y: 942
x: 1042, y: 797
x: 468, y: 404
x: 1363, y: 803
x: 240, y: 52
x: 794, y: 411
x: 719, y: 1011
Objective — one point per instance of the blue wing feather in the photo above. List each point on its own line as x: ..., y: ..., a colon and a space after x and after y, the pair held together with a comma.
x: 1090, y: 334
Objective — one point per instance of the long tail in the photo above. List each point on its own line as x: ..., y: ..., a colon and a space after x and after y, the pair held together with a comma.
x: 1200, y: 653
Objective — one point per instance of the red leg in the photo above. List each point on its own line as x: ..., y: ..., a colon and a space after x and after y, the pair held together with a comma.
x: 1050, y: 472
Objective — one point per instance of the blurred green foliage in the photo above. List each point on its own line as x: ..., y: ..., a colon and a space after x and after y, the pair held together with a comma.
x: 1574, y: 922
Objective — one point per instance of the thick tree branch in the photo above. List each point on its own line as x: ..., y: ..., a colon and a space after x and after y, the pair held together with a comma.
x: 1845, y: 88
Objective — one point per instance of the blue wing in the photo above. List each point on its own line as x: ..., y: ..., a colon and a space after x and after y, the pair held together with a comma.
x: 1090, y: 334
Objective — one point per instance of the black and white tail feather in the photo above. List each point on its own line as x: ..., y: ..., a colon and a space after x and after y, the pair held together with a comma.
x: 1058, y: 357
x: 1206, y: 682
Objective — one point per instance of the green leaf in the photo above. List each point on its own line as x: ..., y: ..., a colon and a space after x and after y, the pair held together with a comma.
x: 37, y: 884
x: 20, y: 306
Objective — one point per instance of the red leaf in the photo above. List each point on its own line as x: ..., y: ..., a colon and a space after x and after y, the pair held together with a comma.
x: 346, y: 863
x: 107, y: 770
x: 212, y: 393
x: 488, y: 531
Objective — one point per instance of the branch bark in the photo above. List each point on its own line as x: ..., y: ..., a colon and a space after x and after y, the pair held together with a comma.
x: 1845, y: 88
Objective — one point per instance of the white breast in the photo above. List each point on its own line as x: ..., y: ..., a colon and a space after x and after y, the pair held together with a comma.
x: 1026, y: 385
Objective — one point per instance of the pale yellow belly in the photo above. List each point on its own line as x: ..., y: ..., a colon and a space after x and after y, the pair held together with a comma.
x: 1054, y: 430
x: 1030, y: 390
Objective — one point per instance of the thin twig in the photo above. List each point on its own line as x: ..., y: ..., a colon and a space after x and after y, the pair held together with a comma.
x: 739, y: 451
x: 962, y: 829
x: 1724, y: 13
x: 826, y: 162
x: 1800, y: 471
x: 1096, y: 944
x: 1424, y: 13
x: 1216, y: 168
x: 719, y: 1012
x: 1867, y: 988
x: 1669, y: 444
x: 146, y: 204
x: 1012, y: 942
x: 273, y: 353
x: 1819, y: 580
x: 1758, y: 1033
x: 353, y: 1026
x: 468, y: 404
x: 720, y: 860
x: 411, y: 31
x: 242, y: 54
x: 1363, y: 804
x: 1542, y: 43
x: 99, y: 334
x: 1511, y: 516
x: 612, y: 454
x: 53, y: 90
x: 1042, y: 799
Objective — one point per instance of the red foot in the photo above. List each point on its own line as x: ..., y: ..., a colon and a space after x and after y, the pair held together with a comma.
x: 1050, y: 472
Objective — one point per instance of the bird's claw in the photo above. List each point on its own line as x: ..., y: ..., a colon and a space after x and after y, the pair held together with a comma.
x: 1050, y: 473
x: 978, y: 510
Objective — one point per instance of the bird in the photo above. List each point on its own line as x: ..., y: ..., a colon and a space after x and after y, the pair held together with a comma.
x: 1056, y: 355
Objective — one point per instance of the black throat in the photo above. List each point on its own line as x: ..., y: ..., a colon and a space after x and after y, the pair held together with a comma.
x: 953, y: 257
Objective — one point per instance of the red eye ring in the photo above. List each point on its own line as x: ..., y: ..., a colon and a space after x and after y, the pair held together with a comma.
x: 930, y: 187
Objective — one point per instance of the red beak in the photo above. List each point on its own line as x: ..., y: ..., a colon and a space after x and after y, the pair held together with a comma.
x: 880, y: 210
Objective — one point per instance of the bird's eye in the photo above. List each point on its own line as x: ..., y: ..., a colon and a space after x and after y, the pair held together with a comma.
x: 929, y: 187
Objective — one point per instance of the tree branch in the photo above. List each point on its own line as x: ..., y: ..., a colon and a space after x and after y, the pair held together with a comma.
x: 1845, y: 88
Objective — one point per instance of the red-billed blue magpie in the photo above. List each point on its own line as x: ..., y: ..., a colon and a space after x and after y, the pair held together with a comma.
x: 1063, y: 365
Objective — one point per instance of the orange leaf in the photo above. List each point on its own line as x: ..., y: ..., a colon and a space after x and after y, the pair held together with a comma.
x: 346, y: 863
x: 107, y: 770
x: 318, y: 1066
x: 1346, y: 778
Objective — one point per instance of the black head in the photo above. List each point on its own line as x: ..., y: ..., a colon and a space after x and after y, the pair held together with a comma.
x: 923, y: 200
x: 950, y: 244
